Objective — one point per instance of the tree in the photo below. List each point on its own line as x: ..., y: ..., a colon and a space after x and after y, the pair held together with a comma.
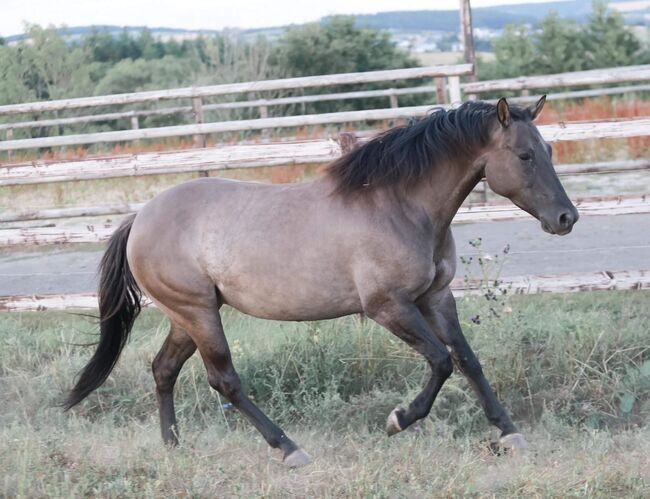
x: 338, y: 46
x: 606, y: 41
x: 514, y: 53
x: 558, y: 46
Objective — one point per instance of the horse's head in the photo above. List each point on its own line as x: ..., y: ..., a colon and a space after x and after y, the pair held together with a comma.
x: 518, y: 166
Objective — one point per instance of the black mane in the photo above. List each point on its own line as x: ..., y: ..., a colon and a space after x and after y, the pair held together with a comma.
x: 403, y: 154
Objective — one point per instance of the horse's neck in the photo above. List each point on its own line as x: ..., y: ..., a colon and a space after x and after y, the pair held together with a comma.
x: 443, y: 191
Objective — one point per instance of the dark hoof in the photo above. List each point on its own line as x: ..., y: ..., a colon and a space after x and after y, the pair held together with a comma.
x: 393, y: 425
x: 513, y: 441
x: 297, y: 459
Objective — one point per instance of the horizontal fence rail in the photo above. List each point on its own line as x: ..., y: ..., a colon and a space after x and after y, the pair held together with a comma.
x: 558, y: 283
x: 246, y: 156
x: 302, y: 99
x: 238, y: 88
x: 363, y: 94
x: 217, y: 127
x: 578, y: 130
x: 573, y: 79
x: 124, y: 208
x: 70, y: 231
x: 198, y: 108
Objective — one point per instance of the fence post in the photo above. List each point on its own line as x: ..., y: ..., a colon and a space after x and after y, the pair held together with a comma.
x: 135, y: 125
x: 264, y: 113
x: 467, y: 35
x: 10, y: 136
x: 525, y: 92
x: 441, y: 94
x: 347, y: 141
x: 454, y: 90
x: 393, y: 101
x: 197, y: 111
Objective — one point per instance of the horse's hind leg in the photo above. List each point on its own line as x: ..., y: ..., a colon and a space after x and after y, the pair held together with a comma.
x: 207, y: 332
x: 178, y: 347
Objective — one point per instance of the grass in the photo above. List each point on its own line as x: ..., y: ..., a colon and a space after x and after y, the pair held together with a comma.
x: 573, y: 370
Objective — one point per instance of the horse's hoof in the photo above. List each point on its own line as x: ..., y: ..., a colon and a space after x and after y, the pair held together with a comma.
x: 297, y: 459
x: 515, y: 441
x: 392, y: 423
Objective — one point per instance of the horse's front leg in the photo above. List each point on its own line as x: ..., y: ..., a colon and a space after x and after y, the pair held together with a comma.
x: 403, y: 318
x: 439, y: 309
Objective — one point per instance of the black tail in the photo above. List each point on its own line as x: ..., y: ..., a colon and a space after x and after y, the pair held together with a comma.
x: 119, y: 305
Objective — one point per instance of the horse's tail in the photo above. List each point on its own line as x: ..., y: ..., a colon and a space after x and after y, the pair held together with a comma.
x: 119, y: 305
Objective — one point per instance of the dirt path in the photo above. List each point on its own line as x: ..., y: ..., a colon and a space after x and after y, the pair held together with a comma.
x: 597, y: 243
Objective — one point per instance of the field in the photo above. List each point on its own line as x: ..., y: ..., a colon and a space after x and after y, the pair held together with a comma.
x: 574, y: 371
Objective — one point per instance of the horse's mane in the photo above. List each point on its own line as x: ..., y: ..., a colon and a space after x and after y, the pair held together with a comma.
x: 401, y: 155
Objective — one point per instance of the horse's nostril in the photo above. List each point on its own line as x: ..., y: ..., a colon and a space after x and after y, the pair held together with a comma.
x: 565, y: 220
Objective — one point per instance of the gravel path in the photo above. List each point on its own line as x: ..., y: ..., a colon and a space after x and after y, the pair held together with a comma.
x: 596, y: 243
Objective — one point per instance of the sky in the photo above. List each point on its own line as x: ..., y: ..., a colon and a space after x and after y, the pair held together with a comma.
x: 201, y: 14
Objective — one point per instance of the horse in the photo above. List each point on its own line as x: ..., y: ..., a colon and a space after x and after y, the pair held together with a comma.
x: 370, y: 236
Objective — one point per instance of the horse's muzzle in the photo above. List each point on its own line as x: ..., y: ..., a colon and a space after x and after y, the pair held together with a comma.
x: 562, y: 222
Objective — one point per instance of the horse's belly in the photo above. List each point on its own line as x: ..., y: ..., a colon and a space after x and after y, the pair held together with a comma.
x: 290, y: 303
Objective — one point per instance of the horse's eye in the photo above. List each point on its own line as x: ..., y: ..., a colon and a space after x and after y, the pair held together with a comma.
x: 525, y: 156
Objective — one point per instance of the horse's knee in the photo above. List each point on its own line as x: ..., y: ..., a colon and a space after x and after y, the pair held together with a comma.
x: 226, y: 383
x: 443, y: 367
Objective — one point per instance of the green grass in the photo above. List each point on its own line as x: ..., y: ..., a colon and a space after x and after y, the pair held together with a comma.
x: 573, y: 370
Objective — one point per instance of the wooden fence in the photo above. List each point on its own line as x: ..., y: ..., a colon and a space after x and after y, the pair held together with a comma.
x: 198, y: 108
x: 444, y: 76
x: 578, y: 78
x: 77, y: 230
x: 246, y: 156
x: 559, y: 283
x: 301, y: 152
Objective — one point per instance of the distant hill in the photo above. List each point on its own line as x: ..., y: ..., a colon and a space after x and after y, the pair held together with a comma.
x: 494, y: 18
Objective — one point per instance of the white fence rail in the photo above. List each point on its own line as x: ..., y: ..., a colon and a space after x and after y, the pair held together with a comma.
x: 449, y: 71
x: 198, y: 108
x: 70, y: 231
x: 559, y: 283
x: 578, y: 78
x: 392, y: 93
x: 246, y: 156
x: 123, y: 208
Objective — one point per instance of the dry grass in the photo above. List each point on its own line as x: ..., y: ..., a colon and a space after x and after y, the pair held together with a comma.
x: 562, y: 365
x: 99, y: 460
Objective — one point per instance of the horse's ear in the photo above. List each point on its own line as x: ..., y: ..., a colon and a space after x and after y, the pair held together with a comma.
x: 503, y: 112
x: 537, y: 108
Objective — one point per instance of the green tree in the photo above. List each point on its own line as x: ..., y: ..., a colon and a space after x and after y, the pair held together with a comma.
x: 606, y: 40
x: 338, y: 46
x: 141, y: 74
x: 52, y: 69
x: 514, y: 53
x: 558, y: 46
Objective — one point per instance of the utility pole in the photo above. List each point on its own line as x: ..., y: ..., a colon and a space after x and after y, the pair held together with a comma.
x: 467, y: 36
